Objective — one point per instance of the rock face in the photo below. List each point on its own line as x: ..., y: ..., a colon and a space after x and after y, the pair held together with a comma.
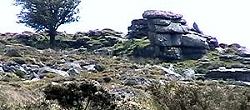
x: 238, y: 74
x: 138, y: 29
x: 168, y: 32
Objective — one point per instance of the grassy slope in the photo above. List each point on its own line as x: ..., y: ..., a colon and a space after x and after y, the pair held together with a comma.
x: 15, y: 93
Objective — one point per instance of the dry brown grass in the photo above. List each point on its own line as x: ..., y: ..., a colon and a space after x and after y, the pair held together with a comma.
x: 13, y: 95
x: 177, y: 96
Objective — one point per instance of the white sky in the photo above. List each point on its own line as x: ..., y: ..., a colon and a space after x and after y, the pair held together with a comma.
x: 228, y: 20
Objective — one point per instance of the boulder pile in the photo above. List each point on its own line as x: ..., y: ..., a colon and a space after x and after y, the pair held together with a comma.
x: 237, y: 60
x: 91, y: 40
x: 170, y: 36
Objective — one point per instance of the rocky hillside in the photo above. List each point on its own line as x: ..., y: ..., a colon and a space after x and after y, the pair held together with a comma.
x: 161, y: 64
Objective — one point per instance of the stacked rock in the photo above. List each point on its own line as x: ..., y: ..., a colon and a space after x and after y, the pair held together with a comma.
x: 138, y: 29
x: 169, y: 33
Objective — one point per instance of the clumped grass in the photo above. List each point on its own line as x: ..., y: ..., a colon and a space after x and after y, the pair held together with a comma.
x: 177, y: 96
x: 42, y: 95
x: 213, y: 55
x: 81, y: 95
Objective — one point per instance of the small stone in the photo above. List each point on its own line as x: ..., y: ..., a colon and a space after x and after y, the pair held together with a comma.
x: 131, y: 82
x: 82, y: 49
x: 73, y: 65
x: 20, y: 71
x: 107, y: 79
x: 136, y: 80
x: 189, y: 74
x: 170, y: 73
x: 90, y: 67
x: 1, y: 70
x: 34, y: 66
x: 99, y: 67
x: 73, y: 72
x: 103, y: 51
x: 48, y: 69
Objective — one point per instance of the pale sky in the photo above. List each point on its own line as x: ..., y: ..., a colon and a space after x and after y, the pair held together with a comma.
x: 228, y: 20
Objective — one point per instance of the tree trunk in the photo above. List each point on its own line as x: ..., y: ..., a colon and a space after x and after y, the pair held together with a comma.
x: 52, y: 40
x: 52, y: 35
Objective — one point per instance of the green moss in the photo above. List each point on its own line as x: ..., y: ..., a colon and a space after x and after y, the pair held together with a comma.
x: 9, y: 77
x: 142, y: 43
x: 213, y: 56
x: 51, y: 75
x: 41, y: 44
x: 19, y: 60
x: 94, y: 42
x: 20, y: 74
x: 186, y: 64
x: 128, y: 47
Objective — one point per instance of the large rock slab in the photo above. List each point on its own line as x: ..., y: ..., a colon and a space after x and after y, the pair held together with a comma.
x: 172, y: 28
x: 161, y: 22
x: 165, y: 53
x: 192, y: 53
x: 152, y: 14
x: 238, y: 74
x: 139, y: 22
x: 178, y: 40
x: 192, y: 40
x: 165, y: 39
x: 45, y: 70
x: 244, y: 52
